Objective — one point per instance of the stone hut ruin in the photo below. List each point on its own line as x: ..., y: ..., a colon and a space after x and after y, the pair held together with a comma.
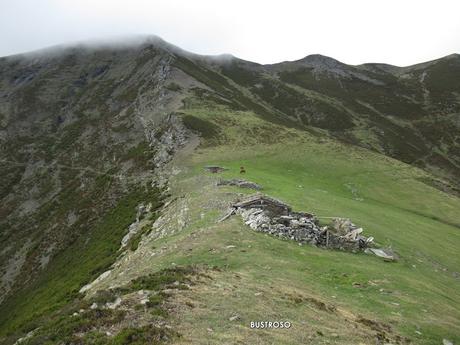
x: 214, y: 169
x: 239, y: 183
x: 270, y: 206
x: 269, y: 215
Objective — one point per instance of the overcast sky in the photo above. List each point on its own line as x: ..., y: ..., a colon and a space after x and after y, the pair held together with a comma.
x: 400, y: 32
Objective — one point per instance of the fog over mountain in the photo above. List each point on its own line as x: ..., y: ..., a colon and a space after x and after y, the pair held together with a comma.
x: 394, y: 32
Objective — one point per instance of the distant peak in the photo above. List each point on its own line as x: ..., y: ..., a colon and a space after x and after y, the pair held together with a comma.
x: 452, y: 56
x: 108, y: 43
x: 318, y: 59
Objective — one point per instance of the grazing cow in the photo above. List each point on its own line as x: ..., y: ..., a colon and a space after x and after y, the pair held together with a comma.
x: 242, y: 170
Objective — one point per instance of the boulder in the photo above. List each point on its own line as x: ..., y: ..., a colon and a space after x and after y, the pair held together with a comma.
x: 386, y: 254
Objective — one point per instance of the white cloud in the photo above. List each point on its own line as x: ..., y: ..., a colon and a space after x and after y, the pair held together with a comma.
x: 400, y: 32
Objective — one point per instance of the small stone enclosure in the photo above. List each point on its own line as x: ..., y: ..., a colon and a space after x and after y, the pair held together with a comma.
x: 269, y: 215
x: 214, y: 169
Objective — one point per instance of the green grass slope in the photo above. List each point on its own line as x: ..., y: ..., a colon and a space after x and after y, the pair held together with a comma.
x: 330, y: 297
x: 417, y: 296
x: 410, y: 114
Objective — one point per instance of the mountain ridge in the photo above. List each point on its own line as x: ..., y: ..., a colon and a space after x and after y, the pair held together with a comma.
x: 140, y: 40
x: 103, y: 144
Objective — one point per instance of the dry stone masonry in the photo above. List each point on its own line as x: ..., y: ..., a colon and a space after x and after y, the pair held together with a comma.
x: 239, y: 183
x: 214, y: 169
x: 265, y: 214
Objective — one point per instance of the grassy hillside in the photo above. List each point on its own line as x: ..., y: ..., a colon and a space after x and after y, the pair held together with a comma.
x: 410, y: 114
x: 329, y: 296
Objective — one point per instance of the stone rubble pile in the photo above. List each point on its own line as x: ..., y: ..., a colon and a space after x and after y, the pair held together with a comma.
x: 273, y: 217
x: 239, y: 183
x: 214, y: 169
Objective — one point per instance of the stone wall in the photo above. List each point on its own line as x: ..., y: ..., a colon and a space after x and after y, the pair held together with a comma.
x: 301, y: 227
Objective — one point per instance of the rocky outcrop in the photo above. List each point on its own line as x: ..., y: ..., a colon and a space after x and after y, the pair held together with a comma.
x: 165, y: 139
x: 136, y: 226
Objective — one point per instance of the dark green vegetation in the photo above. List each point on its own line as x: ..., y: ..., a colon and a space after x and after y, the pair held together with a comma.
x: 78, y: 323
x: 206, y: 129
x: 159, y: 280
x: 226, y: 89
x: 78, y: 263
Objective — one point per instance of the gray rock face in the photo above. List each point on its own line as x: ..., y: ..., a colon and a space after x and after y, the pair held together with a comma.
x: 136, y: 226
x: 165, y: 139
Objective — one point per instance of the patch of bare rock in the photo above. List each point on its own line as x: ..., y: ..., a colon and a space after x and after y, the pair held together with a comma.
x: 239, y: 183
